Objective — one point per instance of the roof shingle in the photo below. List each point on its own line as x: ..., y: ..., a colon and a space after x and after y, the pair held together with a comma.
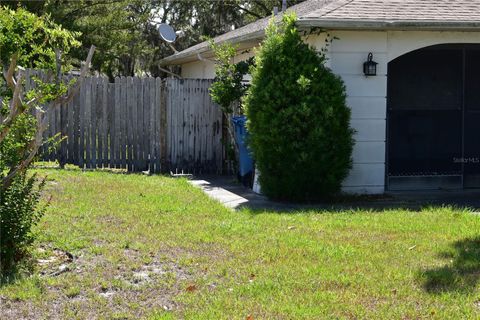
x: 400, y: 10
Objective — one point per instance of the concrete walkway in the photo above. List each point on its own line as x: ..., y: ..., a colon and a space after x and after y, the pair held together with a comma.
x: 233, y: 195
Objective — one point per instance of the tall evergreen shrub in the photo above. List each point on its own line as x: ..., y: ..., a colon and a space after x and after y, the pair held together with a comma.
x: 298, y: 119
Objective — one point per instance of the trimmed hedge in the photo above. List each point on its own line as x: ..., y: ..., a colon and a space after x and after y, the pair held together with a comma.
x: 298, y: 120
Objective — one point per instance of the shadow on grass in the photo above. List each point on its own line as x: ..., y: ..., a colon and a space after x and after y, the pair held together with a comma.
x: 74, y: 168
x: 461, y: 273
x: 18, y: 273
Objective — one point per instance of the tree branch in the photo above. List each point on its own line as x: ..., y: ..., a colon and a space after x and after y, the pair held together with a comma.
x: 73, y: 91
x: 92, y: 4
x: 33, y: 146
x: 58, y: 65
x: 264, y: 7
x: 16, y: 108
x: 8, y: 75
x: 248, y: 11
x: 15, y: 105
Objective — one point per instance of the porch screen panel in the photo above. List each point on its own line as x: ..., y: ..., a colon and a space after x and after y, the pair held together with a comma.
x: 472, y: 117
x: 425, y: 113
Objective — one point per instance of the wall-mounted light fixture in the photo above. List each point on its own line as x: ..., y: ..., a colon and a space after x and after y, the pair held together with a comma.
x: 370, y: 66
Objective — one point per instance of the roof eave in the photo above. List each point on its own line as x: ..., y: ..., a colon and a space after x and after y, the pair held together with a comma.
x: 183, y: 57
x: 340, y: 24
x: 390, y: 25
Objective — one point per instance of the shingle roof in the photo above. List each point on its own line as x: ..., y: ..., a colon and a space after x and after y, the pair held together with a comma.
x: 400, y: 10
x: 360, y: 14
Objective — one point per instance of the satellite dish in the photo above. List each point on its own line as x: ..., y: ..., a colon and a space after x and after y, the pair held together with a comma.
x: 167, y: 33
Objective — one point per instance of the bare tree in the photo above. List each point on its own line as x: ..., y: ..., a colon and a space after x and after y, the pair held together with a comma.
x: 14, y: 78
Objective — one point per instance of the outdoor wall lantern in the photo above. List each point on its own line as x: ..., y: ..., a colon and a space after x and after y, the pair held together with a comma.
x: 370, y: 66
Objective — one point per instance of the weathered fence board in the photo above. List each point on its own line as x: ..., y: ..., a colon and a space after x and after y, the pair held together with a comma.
x: 138, y: 124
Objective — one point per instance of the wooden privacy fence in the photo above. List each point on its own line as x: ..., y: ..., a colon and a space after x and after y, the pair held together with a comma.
x: 139, y: 124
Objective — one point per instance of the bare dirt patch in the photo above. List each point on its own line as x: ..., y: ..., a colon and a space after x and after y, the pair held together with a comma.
x: 89, y: 286
x: 56, y: 262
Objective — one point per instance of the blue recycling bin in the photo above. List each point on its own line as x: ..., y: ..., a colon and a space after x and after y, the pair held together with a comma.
x: 246, y: 161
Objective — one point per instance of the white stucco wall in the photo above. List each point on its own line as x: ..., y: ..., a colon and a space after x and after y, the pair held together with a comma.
x: 199, y: 70
x: 367, y: 99
x: 366, y: 96
x: 205, y: 69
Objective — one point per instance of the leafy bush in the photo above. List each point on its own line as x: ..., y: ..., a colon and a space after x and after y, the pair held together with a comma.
x: 33, y: 39
x: 298, y: 119
x: 228, y: 86
x: 19, y: 212
x: 28, y: 41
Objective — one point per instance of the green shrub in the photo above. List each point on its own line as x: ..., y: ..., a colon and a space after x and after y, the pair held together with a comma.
x: 228, y: 86
x: 33, y: 39
x: 297, y: 117
x: 28, y: 41
x: 19, y: 212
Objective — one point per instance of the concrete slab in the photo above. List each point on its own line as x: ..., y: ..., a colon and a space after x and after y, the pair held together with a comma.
x: 227, y: 198
x: 233, y: 195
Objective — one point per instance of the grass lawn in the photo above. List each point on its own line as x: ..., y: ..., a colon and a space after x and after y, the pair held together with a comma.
x: 156, y: 248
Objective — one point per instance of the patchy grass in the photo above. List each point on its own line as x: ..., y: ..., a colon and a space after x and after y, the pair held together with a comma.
x: 117, y: 246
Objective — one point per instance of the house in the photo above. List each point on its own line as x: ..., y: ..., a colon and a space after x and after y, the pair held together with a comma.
x: 418, y: 118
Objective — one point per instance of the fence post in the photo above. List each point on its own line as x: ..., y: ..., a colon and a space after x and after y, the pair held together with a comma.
x: 163, y: 125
